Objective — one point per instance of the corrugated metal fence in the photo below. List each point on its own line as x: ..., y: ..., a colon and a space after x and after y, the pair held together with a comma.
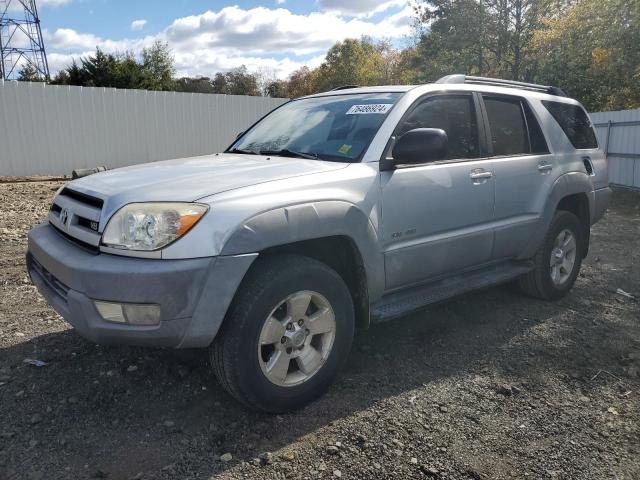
x: 50, y: 130
x: 619, y: 136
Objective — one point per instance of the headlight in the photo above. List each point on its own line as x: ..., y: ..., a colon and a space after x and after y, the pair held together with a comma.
x: 151, y: 226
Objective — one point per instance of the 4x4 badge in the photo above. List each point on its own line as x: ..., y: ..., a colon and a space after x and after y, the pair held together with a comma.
x: 64, y: 216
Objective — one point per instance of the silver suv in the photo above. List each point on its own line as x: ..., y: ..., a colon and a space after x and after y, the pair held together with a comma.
x: 332, y: 212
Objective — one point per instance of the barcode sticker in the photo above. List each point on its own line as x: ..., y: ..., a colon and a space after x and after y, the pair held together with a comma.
x: 371, y: 108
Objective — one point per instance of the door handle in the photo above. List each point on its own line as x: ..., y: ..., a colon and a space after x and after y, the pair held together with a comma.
x: 545, y: 167
x: 479, y: 176
x: 476, y: 175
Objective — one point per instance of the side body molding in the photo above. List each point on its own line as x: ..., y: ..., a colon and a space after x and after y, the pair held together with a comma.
x: 308, y: 221
x: 565, y: 185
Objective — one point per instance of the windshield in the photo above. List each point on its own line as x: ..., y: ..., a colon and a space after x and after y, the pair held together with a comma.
x: 337, y: 128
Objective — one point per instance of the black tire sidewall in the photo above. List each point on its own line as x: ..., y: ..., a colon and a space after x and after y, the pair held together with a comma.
x: 302, y: 274
x: 563, y: 220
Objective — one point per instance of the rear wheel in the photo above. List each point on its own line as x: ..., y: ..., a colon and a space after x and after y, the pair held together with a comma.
x: 288, y: 332
x: 558, y: 261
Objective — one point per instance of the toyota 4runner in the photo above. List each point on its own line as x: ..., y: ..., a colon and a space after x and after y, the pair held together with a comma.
x: 332, y: 212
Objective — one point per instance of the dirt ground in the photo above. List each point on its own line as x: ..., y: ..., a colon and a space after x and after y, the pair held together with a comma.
x: 490, y: 385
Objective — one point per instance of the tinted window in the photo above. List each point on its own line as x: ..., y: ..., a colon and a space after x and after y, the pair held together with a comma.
x: 508, y: 128
x: 574, y: 122
x: 455, y: 115
x: 536, y: 138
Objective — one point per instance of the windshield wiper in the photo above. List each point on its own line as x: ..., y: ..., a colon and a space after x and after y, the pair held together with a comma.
x: 285, y: 152
x: 240, y: 150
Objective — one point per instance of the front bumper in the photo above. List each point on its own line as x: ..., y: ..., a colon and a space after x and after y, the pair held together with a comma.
x: 193, y: 294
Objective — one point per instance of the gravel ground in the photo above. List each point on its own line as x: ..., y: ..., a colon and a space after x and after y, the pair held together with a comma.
x: 490, y: 385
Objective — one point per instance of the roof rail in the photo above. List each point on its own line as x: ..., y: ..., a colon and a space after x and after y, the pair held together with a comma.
x: 344, y: 87
x: 498, y: 82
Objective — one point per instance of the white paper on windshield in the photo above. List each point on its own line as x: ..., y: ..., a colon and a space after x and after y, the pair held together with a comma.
x: 371, y: 108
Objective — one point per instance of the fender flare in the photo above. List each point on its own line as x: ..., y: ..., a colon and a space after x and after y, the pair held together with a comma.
x: 308, y: 221
x: 567, y: 184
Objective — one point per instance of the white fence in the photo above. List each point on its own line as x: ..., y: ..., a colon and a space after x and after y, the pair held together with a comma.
x: 619, y: 136
x: 50, y: 130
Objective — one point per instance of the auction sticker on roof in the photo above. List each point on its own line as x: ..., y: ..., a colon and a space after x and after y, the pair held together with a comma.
x: 371, y: 108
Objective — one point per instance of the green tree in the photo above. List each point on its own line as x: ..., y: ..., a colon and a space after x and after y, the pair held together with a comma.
x: 592, y: 51
x: 29, y: 73
x: 479, y: 37
x: 157, y: 67
x: 99, y: 70
x: 351, y: 62
x: 238, y: 81
x: 303, y: 81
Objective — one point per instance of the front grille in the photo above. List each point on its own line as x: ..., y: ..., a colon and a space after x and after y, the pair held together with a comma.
x: 83, y: 245
x: 83, y: 198
x: 76, y: 216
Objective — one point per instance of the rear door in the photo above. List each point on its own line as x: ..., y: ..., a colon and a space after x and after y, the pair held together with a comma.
x: 436, y: 216
x: 523, y: 169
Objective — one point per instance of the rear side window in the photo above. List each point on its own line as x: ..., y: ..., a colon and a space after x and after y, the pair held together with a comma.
x: 455, y: 114
x: 508, y: 126
x: 574, y: 123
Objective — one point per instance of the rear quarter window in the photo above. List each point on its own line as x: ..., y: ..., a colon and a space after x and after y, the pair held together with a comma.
x: 574, y: 122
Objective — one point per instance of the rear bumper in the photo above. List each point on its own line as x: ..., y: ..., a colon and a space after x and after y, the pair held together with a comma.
x: 193, y: 294
x: 601, y: 199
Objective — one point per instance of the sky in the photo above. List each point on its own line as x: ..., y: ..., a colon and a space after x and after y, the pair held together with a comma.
x: 272, y: 36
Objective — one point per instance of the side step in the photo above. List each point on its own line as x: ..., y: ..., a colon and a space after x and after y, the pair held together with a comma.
x: 401, y: 303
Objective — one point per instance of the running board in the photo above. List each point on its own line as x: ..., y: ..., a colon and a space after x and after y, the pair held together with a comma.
x: 401, y: 303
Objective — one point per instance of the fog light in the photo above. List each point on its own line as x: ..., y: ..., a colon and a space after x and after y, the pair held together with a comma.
x: 111, y: 312
x: 131, y: 313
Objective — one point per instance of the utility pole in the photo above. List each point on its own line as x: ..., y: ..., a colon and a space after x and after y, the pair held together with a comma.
x: 21, y: 42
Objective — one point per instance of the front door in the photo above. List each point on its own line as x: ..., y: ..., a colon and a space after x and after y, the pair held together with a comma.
x: 436, y: 217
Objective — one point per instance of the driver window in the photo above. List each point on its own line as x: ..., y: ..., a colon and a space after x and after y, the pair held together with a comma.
x: 455, y: 114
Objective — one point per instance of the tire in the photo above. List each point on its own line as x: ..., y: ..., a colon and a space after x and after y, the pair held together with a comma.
x: 544, y: 281
x: 239, y: 357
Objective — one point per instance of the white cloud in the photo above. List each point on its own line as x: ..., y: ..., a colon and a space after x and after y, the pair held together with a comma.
x: 260, y: 38
x: 138, y: 24
x: 364, y: 8
x: 262, y: 30
x: 280, y: 2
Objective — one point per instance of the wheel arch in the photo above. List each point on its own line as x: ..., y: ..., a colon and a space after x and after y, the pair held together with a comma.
x: 337, y: 233
x: 573, y: 192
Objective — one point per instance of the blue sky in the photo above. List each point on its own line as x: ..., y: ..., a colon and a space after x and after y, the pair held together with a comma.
x: 274, y: 37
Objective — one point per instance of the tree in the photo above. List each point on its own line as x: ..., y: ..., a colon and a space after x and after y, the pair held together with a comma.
x: 195, y: 85
x: 29, y: 73
x: 157, y: 67
x: 302, y: 82
x: 351, y: 62
x: 238, y: 81
x: 480, y: 37
x: 592, y: 52
x: 99, y: 70
x: 277, y: 89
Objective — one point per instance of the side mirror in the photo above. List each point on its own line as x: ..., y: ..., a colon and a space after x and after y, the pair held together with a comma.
x: 420, y: 145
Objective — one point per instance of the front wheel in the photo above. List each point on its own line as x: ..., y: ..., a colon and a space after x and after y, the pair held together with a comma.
x: 557, y: 262
x: 288, y: 332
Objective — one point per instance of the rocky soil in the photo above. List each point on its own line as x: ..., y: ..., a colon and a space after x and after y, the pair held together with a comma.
x: 492, y: 385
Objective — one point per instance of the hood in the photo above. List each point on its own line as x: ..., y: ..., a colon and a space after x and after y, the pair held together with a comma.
x: 189, y: 179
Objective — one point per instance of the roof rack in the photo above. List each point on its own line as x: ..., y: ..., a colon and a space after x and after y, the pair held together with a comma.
x: 498, y: 82
x: 344, y: 87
